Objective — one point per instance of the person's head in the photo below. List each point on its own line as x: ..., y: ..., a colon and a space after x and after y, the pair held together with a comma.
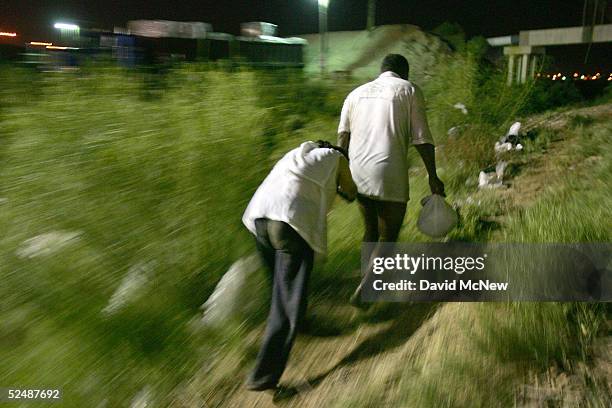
x: 397, y: 64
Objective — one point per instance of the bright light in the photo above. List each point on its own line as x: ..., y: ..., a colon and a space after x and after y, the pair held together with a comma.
x: 582, y: 77
x: 43, y: 44
x: 564, y: 77
x: 65, y: 26
x: 57, y: 47
x: 2, y: 34
x: 575, y: 75
x: 324, y: 3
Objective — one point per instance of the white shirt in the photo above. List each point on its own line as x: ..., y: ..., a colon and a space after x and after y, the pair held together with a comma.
x: 299, y: 190
x: 384, y: 117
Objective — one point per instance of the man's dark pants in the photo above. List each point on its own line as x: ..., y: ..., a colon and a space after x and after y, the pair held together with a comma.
x: 289, y: 259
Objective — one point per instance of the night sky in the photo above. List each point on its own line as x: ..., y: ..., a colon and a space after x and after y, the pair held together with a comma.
x: 33, y: 19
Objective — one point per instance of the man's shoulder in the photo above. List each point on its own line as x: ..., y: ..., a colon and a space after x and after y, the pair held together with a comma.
x: 357, y: 91
x: 413, y: 87
x: 403, y: 85
x: 396, y: 83
x: 405, y: 89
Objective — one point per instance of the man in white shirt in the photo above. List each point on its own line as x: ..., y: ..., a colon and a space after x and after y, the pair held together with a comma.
x: 288, y: 216
x: 379, y: 121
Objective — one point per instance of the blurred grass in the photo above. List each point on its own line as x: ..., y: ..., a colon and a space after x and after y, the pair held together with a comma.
x: 154, y: 174
x: 160, y: 180
x: 481, y: 354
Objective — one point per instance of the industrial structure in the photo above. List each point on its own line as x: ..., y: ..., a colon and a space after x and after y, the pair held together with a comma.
x: 159, y: 41
x: 524, y: 50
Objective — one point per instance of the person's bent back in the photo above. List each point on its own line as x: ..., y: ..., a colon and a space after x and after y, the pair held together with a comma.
x: 288, y: 216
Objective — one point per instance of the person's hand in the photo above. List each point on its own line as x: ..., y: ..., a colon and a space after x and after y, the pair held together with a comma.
x: 437, y: 186
x: 344, y: 196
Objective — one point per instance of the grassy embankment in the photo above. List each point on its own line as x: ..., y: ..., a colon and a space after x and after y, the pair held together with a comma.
x: 154, y: 183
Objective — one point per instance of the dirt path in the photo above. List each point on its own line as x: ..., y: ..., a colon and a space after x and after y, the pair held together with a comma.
x: 368, y: 351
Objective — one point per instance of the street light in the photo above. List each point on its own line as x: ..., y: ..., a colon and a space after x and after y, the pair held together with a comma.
x: 68, y: 31
x: 66, y: 26
x: 371, y: 15
x: 323, y: 4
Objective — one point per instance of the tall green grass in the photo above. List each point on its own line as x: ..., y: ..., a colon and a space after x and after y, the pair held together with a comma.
x: 153, y: 173
x: 146, y: 178
x: 501, y: 348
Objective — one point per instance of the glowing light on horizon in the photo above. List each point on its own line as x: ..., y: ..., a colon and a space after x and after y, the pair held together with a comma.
x: 43, y: 44
x: 594, y: 76
x: 59, y: 47
x: 5, y: 34
x: 66, y: 26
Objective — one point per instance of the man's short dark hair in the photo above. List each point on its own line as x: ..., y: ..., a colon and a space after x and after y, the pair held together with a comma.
x: 396, y: 63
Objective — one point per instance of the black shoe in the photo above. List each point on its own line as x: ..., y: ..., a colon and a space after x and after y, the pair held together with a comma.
x: 261, y: 386
x: 284, y: 393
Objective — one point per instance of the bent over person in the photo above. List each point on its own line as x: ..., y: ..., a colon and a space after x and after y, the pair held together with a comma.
x: 379, y: 121
x: 288, y: 216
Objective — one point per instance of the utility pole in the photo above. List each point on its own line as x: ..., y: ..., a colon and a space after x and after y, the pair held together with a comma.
x: 323, y: 34
x: 371, y: 15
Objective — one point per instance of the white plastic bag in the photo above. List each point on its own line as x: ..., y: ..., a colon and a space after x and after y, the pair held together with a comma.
x: 502, y: 147
x: 236, y: 293
x: 461, y: 107
x: 437, y: 217
x: 514, y: 129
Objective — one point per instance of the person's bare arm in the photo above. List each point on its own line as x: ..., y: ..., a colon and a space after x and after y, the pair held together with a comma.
x: 427, y: 152
x: 423, y: 142
x: 346, y: 186
x: 344, y: 139
x: 344, y: 128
